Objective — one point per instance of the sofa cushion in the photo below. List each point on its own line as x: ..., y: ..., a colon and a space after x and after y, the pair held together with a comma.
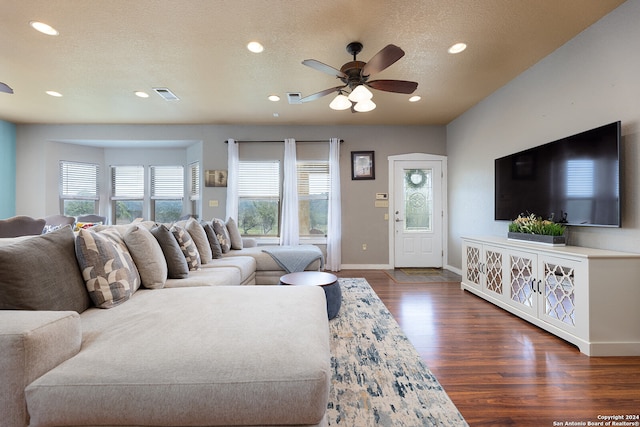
x: 222, y: 234
x: 199, y: 237
x: 234, y: 234
x: 41, y: 273
x: 228, y: 276
x: 246, y: 265
x: 147, y: 254
x: 177, y: 267
x: 228, y: 355
x: 109, y: 272
x: 187, y: 246
x: 216, y: 250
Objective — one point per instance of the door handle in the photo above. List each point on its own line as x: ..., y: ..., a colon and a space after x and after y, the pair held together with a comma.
x: 399, y: 220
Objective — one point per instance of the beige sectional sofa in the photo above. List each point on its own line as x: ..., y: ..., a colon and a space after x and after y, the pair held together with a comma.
x: 182, y: 352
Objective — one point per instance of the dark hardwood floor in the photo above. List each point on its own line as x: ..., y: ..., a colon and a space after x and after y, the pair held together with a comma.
x: 500, y: 370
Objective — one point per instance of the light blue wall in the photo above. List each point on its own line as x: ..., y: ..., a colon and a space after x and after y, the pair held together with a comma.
x: 7, y: 169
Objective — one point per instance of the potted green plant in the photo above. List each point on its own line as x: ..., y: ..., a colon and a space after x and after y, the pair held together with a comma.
x: 533, y: 228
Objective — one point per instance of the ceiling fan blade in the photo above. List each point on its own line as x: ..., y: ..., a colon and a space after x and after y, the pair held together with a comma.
x: 317, y: 65
x: 381, y: 60
x: 320, y: 94
x: 397, y: 86
x: 5, y: 88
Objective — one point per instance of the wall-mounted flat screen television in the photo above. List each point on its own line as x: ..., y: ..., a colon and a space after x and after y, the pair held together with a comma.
x: 574, y: 180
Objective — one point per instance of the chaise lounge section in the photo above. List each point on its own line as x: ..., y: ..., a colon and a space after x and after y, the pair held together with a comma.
x: 179, y: 355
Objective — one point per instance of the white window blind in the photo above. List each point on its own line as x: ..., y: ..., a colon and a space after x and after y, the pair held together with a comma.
x: 313, y: 179
x: 167, y: 182
x: 259, y: 179
x: 127, y: 182
x: 79, y: 180
x: 194, y: 184
x: 580, y: 178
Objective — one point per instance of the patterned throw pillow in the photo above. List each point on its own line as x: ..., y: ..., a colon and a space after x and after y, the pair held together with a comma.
x: 108, y: 271
x: 234, y: 234
x: 216, y: 250
x: 84, y: 225
x: 222, y: 234
x: 187, y: 246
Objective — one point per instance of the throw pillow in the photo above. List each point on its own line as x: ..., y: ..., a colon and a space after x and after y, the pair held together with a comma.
x: 222, y: 234
x: 177, y: 267
x: 81, y: 225
x: 187, y: 246
x: 199, y: 237
x: 109, y: 273
x: 216, y: 250
x: 41, y: 273
x: 147, y: 254
x: 234, y: 234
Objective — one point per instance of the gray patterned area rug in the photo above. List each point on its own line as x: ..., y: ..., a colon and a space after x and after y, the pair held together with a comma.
x: 379, y: 378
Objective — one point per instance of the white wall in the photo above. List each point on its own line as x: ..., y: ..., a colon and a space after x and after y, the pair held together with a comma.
x: 592, y: 80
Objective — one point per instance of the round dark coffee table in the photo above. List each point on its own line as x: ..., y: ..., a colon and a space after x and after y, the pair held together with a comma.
x: 328, y: 282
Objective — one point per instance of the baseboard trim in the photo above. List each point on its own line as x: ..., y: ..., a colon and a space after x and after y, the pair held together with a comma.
x: 366, y: 267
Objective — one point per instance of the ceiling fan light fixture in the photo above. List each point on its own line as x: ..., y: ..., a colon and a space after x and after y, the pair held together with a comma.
x: 340, y: 102
x: 364, y: 106
x: 360, y: 93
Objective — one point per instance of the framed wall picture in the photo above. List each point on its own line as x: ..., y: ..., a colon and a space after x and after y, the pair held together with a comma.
x: 362, y: 165
x: 215, y: 178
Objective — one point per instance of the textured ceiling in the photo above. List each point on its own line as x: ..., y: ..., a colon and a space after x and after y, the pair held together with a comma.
x: 107, y: 49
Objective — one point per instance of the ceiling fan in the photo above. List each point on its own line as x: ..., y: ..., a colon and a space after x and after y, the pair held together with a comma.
x: 353, y: 93
x: 5, y: 88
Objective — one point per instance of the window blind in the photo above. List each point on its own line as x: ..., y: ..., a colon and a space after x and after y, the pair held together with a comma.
x: 313, y: 178
x: 194, y: 184
x: 259, y: 179
x: 167, y: 182
x: 127, y: 182
x: 79, y: 180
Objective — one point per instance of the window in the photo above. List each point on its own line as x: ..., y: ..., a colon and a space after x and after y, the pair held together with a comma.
x: 79, y: 190
x: 194, y: 186
x: 127, y: 193
x: 167, y: 192
x: 313, y: 197
x: 259, y: 198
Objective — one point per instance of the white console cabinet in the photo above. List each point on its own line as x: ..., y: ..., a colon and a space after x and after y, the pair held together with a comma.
x: 589, y: 297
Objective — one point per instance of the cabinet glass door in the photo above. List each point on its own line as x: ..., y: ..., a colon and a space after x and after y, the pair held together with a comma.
x: 522, y: 282
x: 473, y: 268
x: 493, y: 267
x: 559, y: 293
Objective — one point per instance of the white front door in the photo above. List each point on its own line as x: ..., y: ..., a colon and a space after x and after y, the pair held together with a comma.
x: 417, y: 213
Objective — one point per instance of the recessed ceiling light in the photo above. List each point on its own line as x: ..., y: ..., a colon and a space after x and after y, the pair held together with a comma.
x: 255, y: 47
x: 141, y: 94
x: 44, y: 28
x: 54, y: 93
x: 415, y: 98
x: 276, y: 115
x: 457, y: 48
x: 274, y: 98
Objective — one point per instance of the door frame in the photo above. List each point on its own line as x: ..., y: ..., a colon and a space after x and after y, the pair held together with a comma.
x: 390, y: 211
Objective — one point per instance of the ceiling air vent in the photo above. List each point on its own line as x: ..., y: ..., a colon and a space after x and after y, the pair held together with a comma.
x: 294, y: 97
x: 166, y: 94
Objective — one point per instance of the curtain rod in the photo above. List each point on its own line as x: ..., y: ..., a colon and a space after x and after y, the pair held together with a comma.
x: 282, y: 140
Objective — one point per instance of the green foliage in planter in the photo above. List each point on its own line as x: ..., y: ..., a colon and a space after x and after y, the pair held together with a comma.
x: 533, y: 224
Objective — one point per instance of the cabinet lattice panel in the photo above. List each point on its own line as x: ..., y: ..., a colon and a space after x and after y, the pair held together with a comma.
x: 559, y: 286
x: 521, y: 277
x: 494, y: 271
x: 473, y: 264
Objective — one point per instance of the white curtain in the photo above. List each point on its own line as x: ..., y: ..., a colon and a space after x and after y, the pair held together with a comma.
x: 334, y: 233
x: 289, y: 227
x: 232, y: 179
